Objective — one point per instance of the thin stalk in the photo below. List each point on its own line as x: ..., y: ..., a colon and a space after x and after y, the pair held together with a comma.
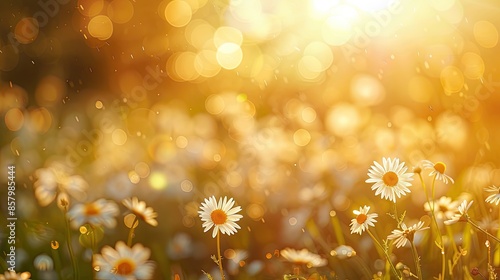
x: 416, y: 259
x: 490, y: 276
x: 70, y: 249
x: 432, y: 205
x: 3, y: 265
x: 131, y: 232
x: 57, y: 262
x: 388, y: 259
x: 396, y: 215
x: 496, y: 259
x: 93, y: 246
x: 219, y: 257
x: 337, y: 229
x: 366, y: 272
x: 482, y: 230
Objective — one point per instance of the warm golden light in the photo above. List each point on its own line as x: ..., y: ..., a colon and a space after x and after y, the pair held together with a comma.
x: 120, y: 11
x: 473, y: 65
x: 14, y: 119
x: 229, y: 55
x: 90, y: 8
x: 26, y: 30
x: 158, y: 181
x: 486, y: 34
x: 331, y: 126
x: 100, y: 27
x: 119, y: 137
x: 452, y: 79
x: 178, y: 13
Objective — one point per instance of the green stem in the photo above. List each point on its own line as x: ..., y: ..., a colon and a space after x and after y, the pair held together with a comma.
x: 337, y: 229
x: 482, y: 230
x: 92, y: 247
x: 388, y: 258
x: 3, y: 265
x: 416, y: 259
x: 396, y: 215
x: 219, y: 256
x: 433, y: 215
x: 131, y: 232
x: 57, y: 262
x: 70, y: 249
x: 488, y: 246
x: 496, y: 257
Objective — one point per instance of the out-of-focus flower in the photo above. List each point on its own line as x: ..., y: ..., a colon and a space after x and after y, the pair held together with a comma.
x: 123, y: 262
x: 495, y: 197
x: 489, y: 223
x: 363, y: 220
x: 254, y: 267
x: 119, y: 187
x: 462, y: 214
x: 99, y: 212
x: 43, y: 262
x: 343, y: 252
x: 390, y: 179
x: 139, y: 209
x: 406, y: 233
x: 444, y: 207
x: 236, y: 260
x: 180, y: 246
x: 12, y: 275
x: 222, y: 216
x: 437, y: 169
x: 303, y: 257
x: 52, y: 181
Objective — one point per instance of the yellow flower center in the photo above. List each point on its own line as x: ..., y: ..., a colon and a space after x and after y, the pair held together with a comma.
x: 218, y: 216
x: 390, y: 179
x: 442, y: 208
x: 125, y: 267
x: 409, y: 234
x: 361, y: 218
x: 440, y: 167
x: 91, y: 210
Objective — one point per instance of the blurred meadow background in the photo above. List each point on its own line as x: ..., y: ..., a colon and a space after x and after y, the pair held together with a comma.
x: 283, y: 106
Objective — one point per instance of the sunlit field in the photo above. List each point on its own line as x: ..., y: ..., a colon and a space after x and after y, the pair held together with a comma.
x: 249, y: 139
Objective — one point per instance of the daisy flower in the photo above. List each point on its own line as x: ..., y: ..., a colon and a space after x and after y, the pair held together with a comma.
x: 99, y: 212
x: 123, y: 262
x: 221, y: 216
x: 406, y: 233
x: 53, y: 182
x: 363, y: 220
x: 180, y: 246
x: 437, y: 169
x: 12, y: 275
x: 462, y: 214
x: 303, y: 257
x: 139, y: 209
x: 43, y: 262
x: 343, y: 252
x: 495, y: 197
x: 444, y: 207
x: 489, y: 224
x: 390, y: 179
